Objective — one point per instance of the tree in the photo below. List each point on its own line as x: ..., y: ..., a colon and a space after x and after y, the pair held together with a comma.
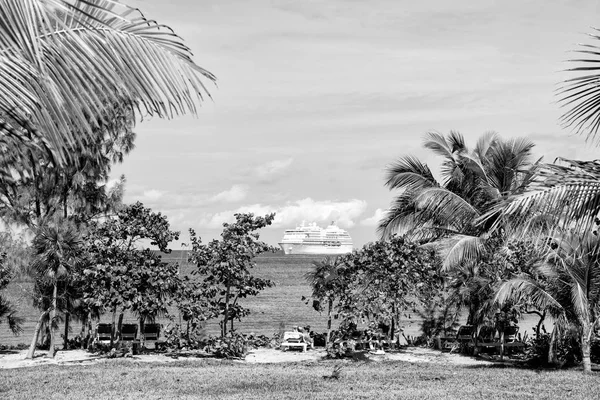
x: 120, y: 276
x: 224, y: 266
x: 8, y: 312
x: 76, y: 188
x: 566, y: 284
x: 472, y: 181
x: 57, y: 249
x: 385, y: 278
x: 15, y: 257
x: 324, y: 280
x: 56, y: 70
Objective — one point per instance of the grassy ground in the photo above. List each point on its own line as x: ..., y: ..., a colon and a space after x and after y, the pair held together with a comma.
x: 213, y: 379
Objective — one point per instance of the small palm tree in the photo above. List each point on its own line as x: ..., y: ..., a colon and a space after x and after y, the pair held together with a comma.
x: 56, y: 247
x: 566, y: 285
x: 323, y: 279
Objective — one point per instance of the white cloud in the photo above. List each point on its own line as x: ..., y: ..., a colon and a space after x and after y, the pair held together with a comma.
x: 233, y: 195
x: 374, y: 220
x: 344, y: 213
x: 152, y: 194
x: 272, y: 169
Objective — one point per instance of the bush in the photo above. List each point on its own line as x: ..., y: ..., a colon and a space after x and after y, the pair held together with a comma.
x: 568, y: 349
x: 235, y: 346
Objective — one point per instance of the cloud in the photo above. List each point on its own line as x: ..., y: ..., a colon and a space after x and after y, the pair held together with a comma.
x: 273, y: 169
x: 233, y: 195
x: 374, y: 220
x: 152, y: 194
x: 344, y: 213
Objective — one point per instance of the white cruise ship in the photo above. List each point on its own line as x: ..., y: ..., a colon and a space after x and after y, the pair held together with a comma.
x: 311, y: 239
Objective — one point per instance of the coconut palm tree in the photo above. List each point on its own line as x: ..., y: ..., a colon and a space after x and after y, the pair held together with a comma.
x: 64, y: 64
x: 471, y: 182
x: 323, y: 281
x: 56, y: 248
x: 566, y: 285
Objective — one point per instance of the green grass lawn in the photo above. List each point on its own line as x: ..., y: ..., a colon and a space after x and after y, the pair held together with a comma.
x: 214, y: 379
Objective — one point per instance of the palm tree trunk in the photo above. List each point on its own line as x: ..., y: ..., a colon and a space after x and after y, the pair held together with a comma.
x: 586, y: 347
x: 52, y: 350
x: 36, y: 334
x: 502, y: 345
x: 552, y: 349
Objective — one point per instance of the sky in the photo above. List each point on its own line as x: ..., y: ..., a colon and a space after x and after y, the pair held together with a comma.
x: 315, y: 98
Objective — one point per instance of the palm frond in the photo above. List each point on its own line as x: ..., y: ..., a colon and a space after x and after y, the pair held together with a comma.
x: 461, y: 249
x: 64, y: 62
x: 523, y: 287
x: 409, y: 173
x: 446, y: 207
x: 571, y: 192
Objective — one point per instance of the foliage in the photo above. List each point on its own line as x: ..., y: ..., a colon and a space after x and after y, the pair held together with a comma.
x: 58, y: 80
x: 119, y: 275
x: 57, y: 248
x: 224, y: 266
x: 14, y: 259
x: 472, y: 181
x: 566, y: 284
x: 382, y: 279
x: 233, y: 346
x: 324, y: 281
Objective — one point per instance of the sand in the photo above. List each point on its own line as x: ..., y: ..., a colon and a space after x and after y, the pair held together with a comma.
x: 16, y: 359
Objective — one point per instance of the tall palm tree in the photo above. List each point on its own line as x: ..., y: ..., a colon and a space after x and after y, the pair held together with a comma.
x: 323, y: 281
x: 56, y: 247
x: 64, y: 61
x: 566, y: 285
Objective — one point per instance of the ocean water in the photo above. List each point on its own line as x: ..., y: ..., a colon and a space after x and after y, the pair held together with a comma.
x: 276, y: 307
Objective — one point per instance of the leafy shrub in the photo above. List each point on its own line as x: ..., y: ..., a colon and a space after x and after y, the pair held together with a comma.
x: 234, y: 346
x: 175, y: 338
x: 568, y: 349
x: 119, y: 349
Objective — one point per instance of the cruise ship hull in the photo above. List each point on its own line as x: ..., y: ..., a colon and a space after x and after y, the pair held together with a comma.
x: 304, y: 248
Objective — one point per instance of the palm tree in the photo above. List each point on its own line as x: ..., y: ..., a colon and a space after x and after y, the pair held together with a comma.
x: 566, y: 285
x: 471, y: 182
x: 448, y: 212
x: 64, y: 64
x: 56, y: 248
x: 323, y: 279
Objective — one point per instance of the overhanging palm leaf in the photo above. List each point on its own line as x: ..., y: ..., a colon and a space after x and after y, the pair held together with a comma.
x: 570, y: 192
x: 580, y: 95
x: 462, y: 248
x: 64, y: 62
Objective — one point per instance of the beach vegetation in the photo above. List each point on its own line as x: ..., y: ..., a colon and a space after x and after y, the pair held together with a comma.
x: 224, y: 267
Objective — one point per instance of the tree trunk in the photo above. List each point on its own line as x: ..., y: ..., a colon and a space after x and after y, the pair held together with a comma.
x: 66, y: 334
x: 119, y: 326
x: 113, y: 327
x: 142, y: 336
x: 225, y: 313
x: 586, y: 347
x: 52, y: 350
x: 539, y: 324
x: 552, y: 349
x: 36, y: 334
x: 329, y: 311
x: 502, y: 345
